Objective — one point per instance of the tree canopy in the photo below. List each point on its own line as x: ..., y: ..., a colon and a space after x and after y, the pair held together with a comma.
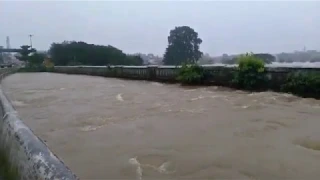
x: 81, y: 53
x: 36, y: 59
x: 267, y: 58
x: 183, y: 46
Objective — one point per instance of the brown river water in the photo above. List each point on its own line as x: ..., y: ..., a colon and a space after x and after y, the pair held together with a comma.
x: 106, y: 128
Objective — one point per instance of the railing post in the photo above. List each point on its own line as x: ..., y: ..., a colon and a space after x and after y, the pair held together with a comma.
x: 152, y: 72
x: 118, y: 71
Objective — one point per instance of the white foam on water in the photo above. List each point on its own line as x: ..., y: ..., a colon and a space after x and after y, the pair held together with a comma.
x: 119, y: 97
x: 164, y: 168
x: 157, y: 84
x: 217, y: 96
x: 30, y: 91
x: 197, y: 98
x: 288, y: 95
x: 18, y: 103
x: 136, y: 163
x: 90, y: 128
x: 255, y: 94
x: 273, y: 98
x: 244, y: 107
x: 189, y: 90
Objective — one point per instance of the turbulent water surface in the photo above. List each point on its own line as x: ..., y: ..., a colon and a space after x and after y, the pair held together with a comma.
x: 116, y: 129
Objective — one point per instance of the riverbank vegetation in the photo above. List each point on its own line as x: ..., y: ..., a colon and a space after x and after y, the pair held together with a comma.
x: 303, y: 84
x: 191, y: 74
x: 251, y: 75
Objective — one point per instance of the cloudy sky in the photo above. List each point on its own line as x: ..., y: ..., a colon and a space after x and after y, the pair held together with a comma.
x: 143, y: 26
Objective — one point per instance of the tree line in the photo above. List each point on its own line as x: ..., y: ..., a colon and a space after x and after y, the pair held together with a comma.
x: 78, y: 53
x: 81, y: 53
x: 183, y: 48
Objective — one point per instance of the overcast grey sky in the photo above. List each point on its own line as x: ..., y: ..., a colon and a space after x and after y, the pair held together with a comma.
x: 142, y: 26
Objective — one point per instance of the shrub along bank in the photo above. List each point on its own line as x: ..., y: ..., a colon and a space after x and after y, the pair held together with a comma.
x: 303, y: 84
x: 192, y: 74
x: 251, y: 75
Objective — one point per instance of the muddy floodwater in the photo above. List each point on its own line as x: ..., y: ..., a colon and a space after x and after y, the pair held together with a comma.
x: 116, y: 129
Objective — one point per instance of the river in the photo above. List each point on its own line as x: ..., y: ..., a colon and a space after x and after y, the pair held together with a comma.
x: 105, y: 128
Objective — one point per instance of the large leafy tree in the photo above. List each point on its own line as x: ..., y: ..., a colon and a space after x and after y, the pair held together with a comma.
x: 36, y: 59
x: 183, y: 47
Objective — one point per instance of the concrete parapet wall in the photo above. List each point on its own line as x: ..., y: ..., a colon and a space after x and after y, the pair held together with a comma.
x: 25, y: 154
x: 221, y: 75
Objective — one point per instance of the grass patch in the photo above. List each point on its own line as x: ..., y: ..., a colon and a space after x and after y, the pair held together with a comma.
x: 6, y: 171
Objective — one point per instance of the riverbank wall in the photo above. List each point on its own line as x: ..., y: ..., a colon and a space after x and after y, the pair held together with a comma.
x: 22, y: 154
x: 220, y: 75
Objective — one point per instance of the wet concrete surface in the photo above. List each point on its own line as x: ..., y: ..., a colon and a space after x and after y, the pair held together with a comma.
x: 116, y: 129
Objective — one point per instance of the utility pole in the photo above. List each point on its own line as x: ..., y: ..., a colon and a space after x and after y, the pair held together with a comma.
x: 30, y: 36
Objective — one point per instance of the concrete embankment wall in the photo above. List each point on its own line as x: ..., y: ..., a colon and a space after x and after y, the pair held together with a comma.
x: 220, y: 75
x: 26, y: 156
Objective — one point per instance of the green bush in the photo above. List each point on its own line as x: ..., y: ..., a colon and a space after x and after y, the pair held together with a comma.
x: 250, y: 73
x: 303, y: 84
x: 191, y: 74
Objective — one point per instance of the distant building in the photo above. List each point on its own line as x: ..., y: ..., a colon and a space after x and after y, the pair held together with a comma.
x: 150, y: 59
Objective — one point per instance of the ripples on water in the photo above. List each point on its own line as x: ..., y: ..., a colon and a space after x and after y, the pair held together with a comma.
x: 115, y: 129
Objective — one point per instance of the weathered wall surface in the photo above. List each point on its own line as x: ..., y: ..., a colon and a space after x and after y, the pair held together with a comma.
x: 220, y: 75
x: 26, y: 156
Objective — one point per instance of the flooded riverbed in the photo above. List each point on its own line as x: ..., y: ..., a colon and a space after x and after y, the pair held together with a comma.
x: 116, y: 129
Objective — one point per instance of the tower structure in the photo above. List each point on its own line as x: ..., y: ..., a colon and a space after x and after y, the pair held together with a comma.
x: 7, y: 57
x: 8, y: 42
